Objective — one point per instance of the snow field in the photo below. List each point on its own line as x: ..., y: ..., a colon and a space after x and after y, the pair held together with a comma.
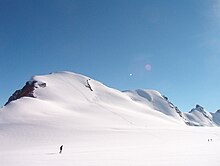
x: 120, y: 147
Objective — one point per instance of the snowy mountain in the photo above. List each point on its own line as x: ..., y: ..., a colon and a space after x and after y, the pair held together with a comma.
x: 199, y: 117
x: 78, y: 94
x: 85, y: 99
x: 98, y: 125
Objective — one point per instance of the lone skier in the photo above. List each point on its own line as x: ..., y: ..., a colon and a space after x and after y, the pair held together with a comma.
x: 61, y: 148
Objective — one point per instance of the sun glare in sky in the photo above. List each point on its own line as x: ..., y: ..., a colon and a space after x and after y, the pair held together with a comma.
x: 148, y: 67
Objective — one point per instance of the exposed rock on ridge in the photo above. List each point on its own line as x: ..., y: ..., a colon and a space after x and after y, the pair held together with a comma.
x: 26, y: 91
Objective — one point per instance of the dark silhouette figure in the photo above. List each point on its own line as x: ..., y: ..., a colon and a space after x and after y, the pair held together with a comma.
x: 61, y: 148
x: 88, y: 85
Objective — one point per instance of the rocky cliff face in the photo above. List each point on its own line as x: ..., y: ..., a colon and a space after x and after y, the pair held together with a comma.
x: 26, y: 91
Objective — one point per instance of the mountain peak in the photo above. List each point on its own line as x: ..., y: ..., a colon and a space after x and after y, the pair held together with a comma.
x: 198, y: 108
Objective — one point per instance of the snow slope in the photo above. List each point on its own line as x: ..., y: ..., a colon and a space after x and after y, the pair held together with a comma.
x: 99, y: 125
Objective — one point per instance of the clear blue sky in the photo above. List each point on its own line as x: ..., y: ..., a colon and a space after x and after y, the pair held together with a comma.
x: 112, y: 41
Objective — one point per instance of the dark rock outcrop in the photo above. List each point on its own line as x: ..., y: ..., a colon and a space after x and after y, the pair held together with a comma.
x: 88, y: 85
x: 198, y: 108
x: 26, y: 91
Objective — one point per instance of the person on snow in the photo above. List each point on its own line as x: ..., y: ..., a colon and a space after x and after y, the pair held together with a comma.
x: 61, y: 148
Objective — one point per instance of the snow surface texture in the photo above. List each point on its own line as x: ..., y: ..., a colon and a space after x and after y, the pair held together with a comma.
x: 102, y: 126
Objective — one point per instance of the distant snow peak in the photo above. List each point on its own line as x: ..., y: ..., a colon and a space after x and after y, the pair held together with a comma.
x: 201, y: 117
x: 201, y: 110
x: 197, y: 108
